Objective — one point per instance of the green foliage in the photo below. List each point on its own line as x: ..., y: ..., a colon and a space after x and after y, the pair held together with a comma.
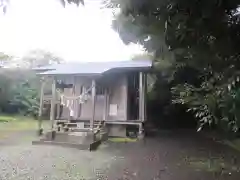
x: 20, y: 88
x: 196, y: 49
x: 77, y: 2
x: 4, y: 3
x: 212, y: 104
x: 199, y: 41
x: 4, y: 87
x: 37, y: 58
x: 19, y: 92
x: 4, y: 58
x: 25, y: 98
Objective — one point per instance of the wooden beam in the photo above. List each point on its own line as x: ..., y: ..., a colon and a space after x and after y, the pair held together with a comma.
x: 58, y: 110
x: 105, y: 104
x: 80, y: 93
x: 93, y: 103
x: 140, y: 96
x: 53, y: 102
x: 107, y: 101
x: 141, y: 103
x: 145, y: 97
x: 40, y: 111
x: 126, y: 97
x: 74, y: 90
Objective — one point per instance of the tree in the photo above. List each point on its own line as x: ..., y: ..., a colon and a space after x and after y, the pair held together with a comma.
x: 19, y: 89
x: 4, y: 3
x: 200, y: 39
x: 25, y: 98
x: 77, y: 2
x: 4, y: 58
x: 37, y: 58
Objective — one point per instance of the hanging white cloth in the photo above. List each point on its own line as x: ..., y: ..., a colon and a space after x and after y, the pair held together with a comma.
x: 71, y: 113
x: 71, y: 101
x: 81, y: 98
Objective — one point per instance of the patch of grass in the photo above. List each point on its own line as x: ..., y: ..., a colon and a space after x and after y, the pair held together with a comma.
x: 118, y: 139
x: 235, y: 144
x: 211, y: 165
x: 18, y: 123
x: 7, y: 118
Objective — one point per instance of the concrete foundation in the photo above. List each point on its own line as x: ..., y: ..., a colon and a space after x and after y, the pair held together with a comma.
x: 79, y: 140
x: 116, y: 130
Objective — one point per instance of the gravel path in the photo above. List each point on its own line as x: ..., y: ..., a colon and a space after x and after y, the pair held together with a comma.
x: 38, y: 162
x: 175, y: 156
x: 20, y: 160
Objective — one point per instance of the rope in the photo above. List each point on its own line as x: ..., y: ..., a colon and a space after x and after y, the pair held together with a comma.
x: 73, y: 97
x: 69, y: 99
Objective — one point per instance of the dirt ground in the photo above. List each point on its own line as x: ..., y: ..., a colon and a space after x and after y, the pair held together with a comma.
x: 178, y: 155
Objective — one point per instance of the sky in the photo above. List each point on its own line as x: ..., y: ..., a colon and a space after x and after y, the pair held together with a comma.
x: 73, y: 33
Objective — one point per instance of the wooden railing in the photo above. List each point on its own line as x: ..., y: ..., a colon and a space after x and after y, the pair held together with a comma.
x: 97, y: 131
x: 47, y: 96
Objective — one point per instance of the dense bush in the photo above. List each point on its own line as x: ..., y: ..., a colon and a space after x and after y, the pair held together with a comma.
x: 19, y: 92
x: 200, y: 42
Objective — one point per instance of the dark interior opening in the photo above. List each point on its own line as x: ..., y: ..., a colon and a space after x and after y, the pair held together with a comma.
x: 133, y: 96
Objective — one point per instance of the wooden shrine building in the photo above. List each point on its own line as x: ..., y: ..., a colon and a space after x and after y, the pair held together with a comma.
x: 87, y: 96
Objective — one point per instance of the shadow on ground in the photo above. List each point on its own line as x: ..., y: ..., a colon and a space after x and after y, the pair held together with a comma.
x: 175, y: 155
x: 167, y: 156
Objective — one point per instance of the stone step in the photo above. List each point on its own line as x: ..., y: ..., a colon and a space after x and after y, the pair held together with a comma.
x: 75, y: 121
x: 66, y: 137
x: 76, y: 129
x: 83, y: 120
x: 84, y: 140
x: 72, y: 125
x: 91, y: 146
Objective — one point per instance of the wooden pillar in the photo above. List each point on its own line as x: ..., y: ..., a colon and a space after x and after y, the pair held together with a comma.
x: 78, y: 93
x: 58, y: 102
x: 145, y: 97
x: 105, y: 104
x: 58, y: 109
x: 74, y: 95
x: 126, y: 97
x: 53, y: 102
x: 140, y: 96
x: 70, y: 92
x: 40, y: 112
x: 141, y: 103
x: 93, y: 103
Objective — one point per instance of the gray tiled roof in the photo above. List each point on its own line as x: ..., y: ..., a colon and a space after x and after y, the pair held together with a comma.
x: 93, y: 67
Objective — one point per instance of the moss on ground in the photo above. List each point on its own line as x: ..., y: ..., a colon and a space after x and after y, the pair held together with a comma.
x: 6, y: 118
x: 119, y: 139
x: 233, y: 143
x: 10, y: 124
x: 211, y: 165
